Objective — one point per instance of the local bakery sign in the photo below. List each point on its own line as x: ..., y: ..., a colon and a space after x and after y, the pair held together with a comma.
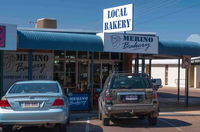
x: 16, y: 67
x: 118, y: 19
x: 130, y: 43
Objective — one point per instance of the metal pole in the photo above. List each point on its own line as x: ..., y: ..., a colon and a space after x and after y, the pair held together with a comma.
x: 91, y: 77
x: 137, y: 63
x: 143, y: 65
x: 178, y: 97
x: 150, y: 67
x: 1, y: 73
x: 186, y: 86
x: 30, y: 72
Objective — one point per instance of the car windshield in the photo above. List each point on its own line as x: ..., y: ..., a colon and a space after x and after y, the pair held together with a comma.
x: 130, y: 82
x: 35, y: 88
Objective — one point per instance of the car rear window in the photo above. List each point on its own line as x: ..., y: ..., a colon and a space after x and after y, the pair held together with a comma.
x: 35, y: 88
x: 130, y: 82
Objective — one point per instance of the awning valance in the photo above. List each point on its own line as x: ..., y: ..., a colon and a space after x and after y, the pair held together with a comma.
x: 179, y: 48
x: 40, y: 40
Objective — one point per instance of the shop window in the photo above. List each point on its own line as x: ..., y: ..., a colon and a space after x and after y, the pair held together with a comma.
x: 96, y: 55
x: 59, y: 77
x: 58, y: 66
x: 70, y: 55
x: 104, y: 55
x: 59, y: 54
x: 115, y: 56
x: 70, y: 73
x: 83, y: 55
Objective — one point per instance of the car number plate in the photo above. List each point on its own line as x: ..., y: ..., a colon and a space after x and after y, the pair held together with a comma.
x: 131, y: 97
x: 30, y: 104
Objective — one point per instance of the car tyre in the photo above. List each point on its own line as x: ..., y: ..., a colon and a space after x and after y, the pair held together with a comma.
x: 105, y: 121
x: 68, y: 120
x: 7, y: 129
x: 62, y: 128
x: 152, y: 120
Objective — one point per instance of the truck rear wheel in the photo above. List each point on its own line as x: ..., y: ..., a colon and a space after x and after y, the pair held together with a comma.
x: 152, y: 120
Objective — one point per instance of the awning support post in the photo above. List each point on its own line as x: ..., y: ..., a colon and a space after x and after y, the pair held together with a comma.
x: 186, y: 86
x: 91, y: 78
x: 178, y: 83
x: 137, y: 63
x: 143, y: 65
x: 150, y: 67
x: 30, y: 62
x: 1, y: 73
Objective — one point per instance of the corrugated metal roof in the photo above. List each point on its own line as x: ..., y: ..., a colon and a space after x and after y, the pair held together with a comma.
x: 58, y: 41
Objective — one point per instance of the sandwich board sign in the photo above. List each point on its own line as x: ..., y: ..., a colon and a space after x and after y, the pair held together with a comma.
x: 118, y: 19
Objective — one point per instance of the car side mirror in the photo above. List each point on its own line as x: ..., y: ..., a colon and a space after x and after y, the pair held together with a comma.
x: 157, y: 83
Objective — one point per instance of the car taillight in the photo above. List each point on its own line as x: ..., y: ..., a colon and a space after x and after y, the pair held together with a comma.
x: 107, y: 97
x: 4, y: 103
x: 155, y: 95
x: 58, y: 102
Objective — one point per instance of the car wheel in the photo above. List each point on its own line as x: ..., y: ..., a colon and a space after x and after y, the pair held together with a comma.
x: 68, y: 120
x: 63, y: 128
x: 7, y: 129
x: 152, y: 120
x: 105, y: 121
x: 141, y: 117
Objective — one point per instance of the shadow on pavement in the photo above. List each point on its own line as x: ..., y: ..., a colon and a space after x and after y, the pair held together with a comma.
x: 169, y: 103
x: 141, y: 123
x: 73, y: 127
x: 84, y: 127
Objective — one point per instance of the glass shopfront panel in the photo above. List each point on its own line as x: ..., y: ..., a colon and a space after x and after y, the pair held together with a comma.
x: 72, y: 69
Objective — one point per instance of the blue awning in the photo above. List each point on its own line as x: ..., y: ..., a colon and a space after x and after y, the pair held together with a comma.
x: 40, y: 40
x: 50, y: 40
x: 179, y: 48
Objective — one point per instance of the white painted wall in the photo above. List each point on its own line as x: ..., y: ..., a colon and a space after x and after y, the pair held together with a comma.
x: 197, y: 76
x: 158, y: 71
x: 173, y: 76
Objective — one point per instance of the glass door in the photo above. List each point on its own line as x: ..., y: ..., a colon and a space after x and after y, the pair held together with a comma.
x: 83, y: 76
x: 96, y: 75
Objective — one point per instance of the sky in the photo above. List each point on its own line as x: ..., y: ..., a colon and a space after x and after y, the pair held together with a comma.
x: 169, y: 19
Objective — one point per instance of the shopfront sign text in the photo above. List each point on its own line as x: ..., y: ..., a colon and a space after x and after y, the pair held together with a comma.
x: 131, y: 43
x: 118, y: 18
x: 16, y: 67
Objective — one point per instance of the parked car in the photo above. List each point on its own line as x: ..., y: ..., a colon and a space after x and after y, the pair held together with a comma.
x: 34, y: 103
x: 128, y: 95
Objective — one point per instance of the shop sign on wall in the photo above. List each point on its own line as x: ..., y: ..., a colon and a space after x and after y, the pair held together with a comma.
x: 16, y: 67
x: 130, y: 43
x: 8, y: 37
x: 118, y: 19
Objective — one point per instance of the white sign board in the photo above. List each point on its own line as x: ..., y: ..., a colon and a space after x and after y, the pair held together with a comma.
x: 130, y: 43
x: 8, y: 37
x: 16, y: 67
x: 118, y: 19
